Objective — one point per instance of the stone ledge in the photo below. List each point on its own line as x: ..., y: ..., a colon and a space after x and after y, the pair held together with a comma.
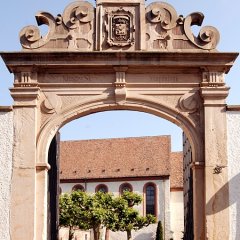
x: 67, y: 62
x: 233, y: 108
x: 6, y: 108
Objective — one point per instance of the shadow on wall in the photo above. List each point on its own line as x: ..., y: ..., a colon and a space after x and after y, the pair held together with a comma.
x: 234, y: 186
x: 145, y: 236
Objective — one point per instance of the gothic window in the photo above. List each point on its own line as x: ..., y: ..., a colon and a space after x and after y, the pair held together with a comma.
x: 101, y: 188
x: 150, y: 198
x: 78, y: 187
x: 125, y: 187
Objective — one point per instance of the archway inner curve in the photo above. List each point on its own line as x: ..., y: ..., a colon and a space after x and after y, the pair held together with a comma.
x: 58, y: 121
x: 99, y: 115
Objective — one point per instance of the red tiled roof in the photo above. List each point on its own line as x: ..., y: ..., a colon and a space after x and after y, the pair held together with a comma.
x: 115, y: 158
x: 176, y: 174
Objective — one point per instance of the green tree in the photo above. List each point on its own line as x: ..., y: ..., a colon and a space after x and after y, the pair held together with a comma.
x: 99, y: 212
x: 125, y: 217
x: 70, y: 211
x: 79, y: 210
x: 159, y: 233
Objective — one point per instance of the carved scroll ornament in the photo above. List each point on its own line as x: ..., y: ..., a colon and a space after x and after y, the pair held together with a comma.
x: 189, y: 102
x: 168, y: 31
x: 208, y: 36
x: 52, y: 103
x: 76, y: 13
x: 30, y: 36
x: 163, y: 13
x: 70, y: 30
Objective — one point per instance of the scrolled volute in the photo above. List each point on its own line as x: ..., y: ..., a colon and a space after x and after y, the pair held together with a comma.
x: 30, y: 36
x: 208, y: 37
x: 164, y: 13
x: 189, y: 102
x: 78, y: 12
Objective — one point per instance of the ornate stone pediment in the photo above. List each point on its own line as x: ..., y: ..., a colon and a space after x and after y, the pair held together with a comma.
x: 113, y: 26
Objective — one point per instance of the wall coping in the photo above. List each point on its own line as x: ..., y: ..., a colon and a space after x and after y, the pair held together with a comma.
x: 233, y: 108
x: 6, y: 108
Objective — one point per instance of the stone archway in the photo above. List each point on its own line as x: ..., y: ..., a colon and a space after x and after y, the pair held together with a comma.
x: 155, y: 65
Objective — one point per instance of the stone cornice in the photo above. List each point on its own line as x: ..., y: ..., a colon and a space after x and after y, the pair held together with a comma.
x: 115, y: 179
x: 88, y: 61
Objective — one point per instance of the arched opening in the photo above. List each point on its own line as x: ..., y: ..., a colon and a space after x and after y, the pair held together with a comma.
x: 150, y: 198
x: 155, y: 126
x: 78, y: 187
x: 125, y: 187
x: 101, y: 188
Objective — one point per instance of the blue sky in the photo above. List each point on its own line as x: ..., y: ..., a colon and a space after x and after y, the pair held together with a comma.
x: 222, y: 14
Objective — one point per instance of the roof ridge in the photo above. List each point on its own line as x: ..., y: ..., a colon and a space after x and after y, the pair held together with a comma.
x: 117, y: 138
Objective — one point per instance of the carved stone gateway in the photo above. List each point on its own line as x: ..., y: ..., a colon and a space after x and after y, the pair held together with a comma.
x: 119, y: 55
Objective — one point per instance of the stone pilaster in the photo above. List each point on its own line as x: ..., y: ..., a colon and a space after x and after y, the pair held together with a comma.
x: 198, y: 200
x: 41, y: 200
x: 214, y: 93
x: 23, y: 195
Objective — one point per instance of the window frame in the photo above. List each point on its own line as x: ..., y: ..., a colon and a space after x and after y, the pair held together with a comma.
x: 77, y: 187
x: 100, y: 186
x: 146, y: 185
x: 123, y: 185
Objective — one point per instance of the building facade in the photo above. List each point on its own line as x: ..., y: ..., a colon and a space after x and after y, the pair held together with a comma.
x: 144, y: 165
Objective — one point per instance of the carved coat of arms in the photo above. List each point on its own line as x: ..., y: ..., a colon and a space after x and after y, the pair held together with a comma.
x: 120, y: 28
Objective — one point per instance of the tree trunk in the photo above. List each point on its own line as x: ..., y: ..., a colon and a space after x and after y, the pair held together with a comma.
x: 129, y: 234
x: 97, y: 232
x: 71, y: 233
x: 107, y: 234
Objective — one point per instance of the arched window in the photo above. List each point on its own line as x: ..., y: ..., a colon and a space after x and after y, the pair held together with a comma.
x: 101, y: 188
x: 125, y: 187
x: 150, y: 199
x: 78, y: 187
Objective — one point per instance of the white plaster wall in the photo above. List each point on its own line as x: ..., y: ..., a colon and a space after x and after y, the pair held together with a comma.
x: 113, y: 187
x: 177, y: 214
x: 166, y: 209
x: 233, y: 146
x: 78, y: 235
x: 6, y: 143
x: 147, y: 233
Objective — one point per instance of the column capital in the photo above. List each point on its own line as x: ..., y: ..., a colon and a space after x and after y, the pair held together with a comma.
x: 214, y: 96
x: 25, y: 96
